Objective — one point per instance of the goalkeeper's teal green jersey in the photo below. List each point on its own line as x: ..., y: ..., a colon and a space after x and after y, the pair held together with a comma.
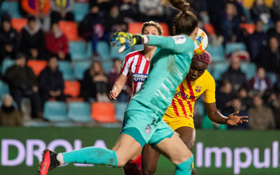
x: 168, y: 68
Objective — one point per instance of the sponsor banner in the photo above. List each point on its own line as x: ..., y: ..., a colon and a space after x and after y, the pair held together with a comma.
x: 216, y: 152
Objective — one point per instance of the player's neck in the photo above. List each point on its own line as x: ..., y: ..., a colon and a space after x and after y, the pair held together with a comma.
x: 148, y: 54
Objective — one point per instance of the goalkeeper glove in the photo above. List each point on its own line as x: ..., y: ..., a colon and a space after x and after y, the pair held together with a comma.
x: 125, y: 40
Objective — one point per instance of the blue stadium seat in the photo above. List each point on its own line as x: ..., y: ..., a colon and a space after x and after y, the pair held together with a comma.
x: 80, y: 68
x: 272, y: 77
x: 137, y: 47
x: 219, y: 69
x: 103, y: 50
x: 232, y: 47
x: 200, y: 107
x: 120, y: 109
x: 107, y: 66
x: 79, y: 111
x: 78, y: 50
x: 4, y: 89
x: 12, y: 8
x: 6, y: 64
x: 80, y: 11
x: 66, y: 124
x: 66, y: 70
x: 249, y: 69
x: 217, y: 53
x: 55, y: 111
x: 114, y: 53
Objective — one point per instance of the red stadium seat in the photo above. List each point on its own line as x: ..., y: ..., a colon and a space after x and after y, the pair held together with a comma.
x: 103, y: 112
x: 37, y: 66
x: 165, y: 29
x: 70, y: 29
x: 250, y: 28
x: 72, y: 88
x: 74, y: 99
x: 209, y: 29
x: 18, y: 23
x: 135, y: 27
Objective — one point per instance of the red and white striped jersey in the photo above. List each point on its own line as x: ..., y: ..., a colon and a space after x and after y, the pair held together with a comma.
x: 138, y: 67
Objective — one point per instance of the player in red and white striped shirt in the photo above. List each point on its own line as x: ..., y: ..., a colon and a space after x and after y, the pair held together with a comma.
x: 136, y: 64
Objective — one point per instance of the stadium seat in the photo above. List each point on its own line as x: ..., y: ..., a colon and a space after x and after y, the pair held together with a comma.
x: 66, y: 70
x: 4, y: 89
x: 200, y: 108
x: 120, y: 110
x: 72, y: 88
x: 134, y: 27
x: 209, y: 29
x: 6, y: 64
x: 70, y: 29
x: 80, y: 11
x: 249, y: 69
x: 65, y: 124
x: 103, y: 50
x: 103, y: 112
x: 107, y: 66
x: 18, y: 23
x: 250, y: 28
x: 247, y: 14
x: 55, y: 111
x: 217, y: 53
x: 37, y: 66
x: 248, y: 3
x: 165, y: 29
x: 272, y: 78
x: 78, y: 50
x: 219, y: 69
x: 12, y: 8
x: 232, y: 47
x: 114, y: 53
x: 137, y: 47
x: 79, y: 111
x: 80, y: 68
x: 74, y: 99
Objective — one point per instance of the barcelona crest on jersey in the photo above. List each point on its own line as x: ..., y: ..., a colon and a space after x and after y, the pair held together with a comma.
x: 198, y: 88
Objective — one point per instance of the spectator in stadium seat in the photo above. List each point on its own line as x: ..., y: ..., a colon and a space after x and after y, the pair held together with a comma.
x: 151, y: 10
x: 257, y: 41
x: 130, y: 8
x: 276, y: 10
x: 260, y: 11
x: 9, y: 115
x: 261, y: 117
x: 269, y: 58
x: 198, y: 119
x: 214, y: 8
x: 91, y: 28
x: 275, y: 31
x: 246, y: 100
x: 22, y: 83
x: 239, y: 7
x: 275, y: 100
x: 259, y: 82
x: 236, y: 105
x: 104, y: 5
x: 32, y: 39
x: 113, y: 76
x: 224, y: 95
x: 50, y: 82
x: 57, y: 43
x: 234, y: 74
x: 9, y: 39
x: 95, y: 83
x: 62, y: 10
x: 229, y: 24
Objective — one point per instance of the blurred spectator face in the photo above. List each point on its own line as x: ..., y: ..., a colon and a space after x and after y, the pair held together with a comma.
x: 8, y: 101
x: 236, y: 104
x: 277, y: 26
x: 258, y: 102
x: 117, y: 64
x: 32, y: 24
x: 227, y: 88
x: 6, y: 26
x: 259, y: 26
x: 261, y: 73
x: 150, y: 30
x: 55, y: 29
x: 230, y: 10
x: 243, y: 93
x: 273, y: 43
x: 96, y: 67
x: 53, y: 64
x: 114, y: 12
x: 94, y: 9
x: 21, y: 62
x: 235, y: 63
x: 259, y: 2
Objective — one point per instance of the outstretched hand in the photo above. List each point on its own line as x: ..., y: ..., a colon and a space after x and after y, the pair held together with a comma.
x: 233, y: 119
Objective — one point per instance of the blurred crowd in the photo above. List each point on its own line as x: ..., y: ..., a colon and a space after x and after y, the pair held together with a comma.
x: 42, y: 39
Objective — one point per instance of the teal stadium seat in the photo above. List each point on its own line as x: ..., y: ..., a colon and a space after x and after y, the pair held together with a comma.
x: 137, y: 47
x: 66, y: 70
x: 65, y: 124
x: 219, y: 69
x: 272, y: 78
x: 200, y: 107
x: 12, y: 8
x: 4, y: 89
x: 79, y: 111
x: 107, y: 66
x: 78, y: 50
x: 6, y: 64
x: 249, y: 69
x: 217, y: 53
x: 55, y: 111
x: 80, y: 11
x: 103, y: 50
x: 80, y: 68
x: 114, y: 53
x: 120, y: 109
x: 232, y: 47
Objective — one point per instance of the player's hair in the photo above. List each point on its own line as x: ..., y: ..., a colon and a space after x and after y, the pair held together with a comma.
x: 185, y: 22
x: 204, y: 57
x: 152, y: 23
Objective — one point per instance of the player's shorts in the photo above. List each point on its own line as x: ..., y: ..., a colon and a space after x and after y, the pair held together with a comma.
x: 178, y: 122
x: 146, y: 127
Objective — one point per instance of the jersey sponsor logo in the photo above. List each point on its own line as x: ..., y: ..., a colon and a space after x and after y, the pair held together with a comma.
x: 183, y: 95
x: 148, y: 129
x: 179, y: 39
x: 139, y: 77
x: 198, y: 89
